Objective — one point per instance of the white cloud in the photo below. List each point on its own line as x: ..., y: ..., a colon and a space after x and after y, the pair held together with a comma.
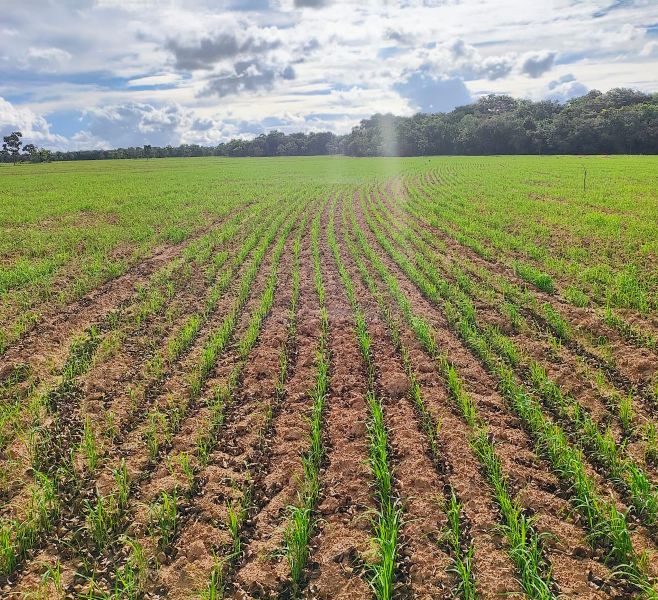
x: 428, y: 93
x: 137, y: 124
x: 564, y: 88
x: 464, y: 59
x: 155, y: 80
x: 46, y: 59
x: 34, y: 127
x: 129, y: 124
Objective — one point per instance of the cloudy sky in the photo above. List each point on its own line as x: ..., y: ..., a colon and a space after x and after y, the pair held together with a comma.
x: 108, y: 73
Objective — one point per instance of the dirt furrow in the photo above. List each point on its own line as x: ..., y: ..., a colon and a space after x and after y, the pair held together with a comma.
x: 345, y: 509
x: 131, y: 444
x: 265, y: 571
x: 425, y: 565
x: 238, y: 467
x: 530, y: 476
x: 569, y: 370
x: 48, y: 340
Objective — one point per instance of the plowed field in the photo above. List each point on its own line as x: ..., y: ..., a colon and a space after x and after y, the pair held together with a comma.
x: 329, y: 378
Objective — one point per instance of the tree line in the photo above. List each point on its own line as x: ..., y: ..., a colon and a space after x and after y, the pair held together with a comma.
x: 621, y: 121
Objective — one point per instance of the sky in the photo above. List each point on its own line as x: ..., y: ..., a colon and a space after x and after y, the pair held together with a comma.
x: 84, y: 74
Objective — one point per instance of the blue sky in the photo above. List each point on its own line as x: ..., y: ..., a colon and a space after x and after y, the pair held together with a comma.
x: 107, y: 73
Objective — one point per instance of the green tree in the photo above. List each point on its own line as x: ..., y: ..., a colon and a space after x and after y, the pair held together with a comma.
x: 12, y: 145
x: 32, y: 151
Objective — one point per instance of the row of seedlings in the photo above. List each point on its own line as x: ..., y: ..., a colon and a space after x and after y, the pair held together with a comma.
x: 623, y: 406
x: 600, y: 446
x: 607, y: 525
x: 166, y: 511
x: 99, y: 342
x: 159, y: 367
x: 594, y: 348
x: 456, y: 536
x: 302, y: 517
x: 224, y: 396
x: 524, y: 542
x: 387, y: 521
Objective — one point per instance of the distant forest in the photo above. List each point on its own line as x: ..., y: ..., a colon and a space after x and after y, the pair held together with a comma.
x: 621, y: 121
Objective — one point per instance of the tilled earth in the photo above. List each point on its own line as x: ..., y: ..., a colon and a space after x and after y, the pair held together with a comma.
x: 108, y: 398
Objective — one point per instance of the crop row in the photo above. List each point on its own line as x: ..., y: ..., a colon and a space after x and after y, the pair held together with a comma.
x: 607, y: 525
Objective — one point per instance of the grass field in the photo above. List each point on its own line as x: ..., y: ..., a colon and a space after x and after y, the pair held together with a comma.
x: 329, y: 378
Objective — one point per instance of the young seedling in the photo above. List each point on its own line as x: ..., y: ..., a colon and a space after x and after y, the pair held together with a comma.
x: 215, y: 588
x: 188, y: 472
x: 651, y: 443
x: 461, y: 550
x: 626, y: 413
x: 163, y: 521
x: 89, y: 447
x: 233, y: 522
x: 296, y: 540
x: 122, y: 485
x: 102, y: 519
x: 52, y: 579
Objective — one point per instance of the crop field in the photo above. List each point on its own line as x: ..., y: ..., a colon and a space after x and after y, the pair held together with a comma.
x: 329, y: 378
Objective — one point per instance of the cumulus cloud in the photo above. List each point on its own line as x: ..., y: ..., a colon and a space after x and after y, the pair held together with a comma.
x: 496, y: 67
x: 34, y: 127
x: 247, y: 76
x: 469, y: 59
x: 460, y: 59
x: 133, y: 124
x: 309, y: 45
x: 564, y: 88
x: 535, y: 64
x: 433, y: 94
x: 623, y: 35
